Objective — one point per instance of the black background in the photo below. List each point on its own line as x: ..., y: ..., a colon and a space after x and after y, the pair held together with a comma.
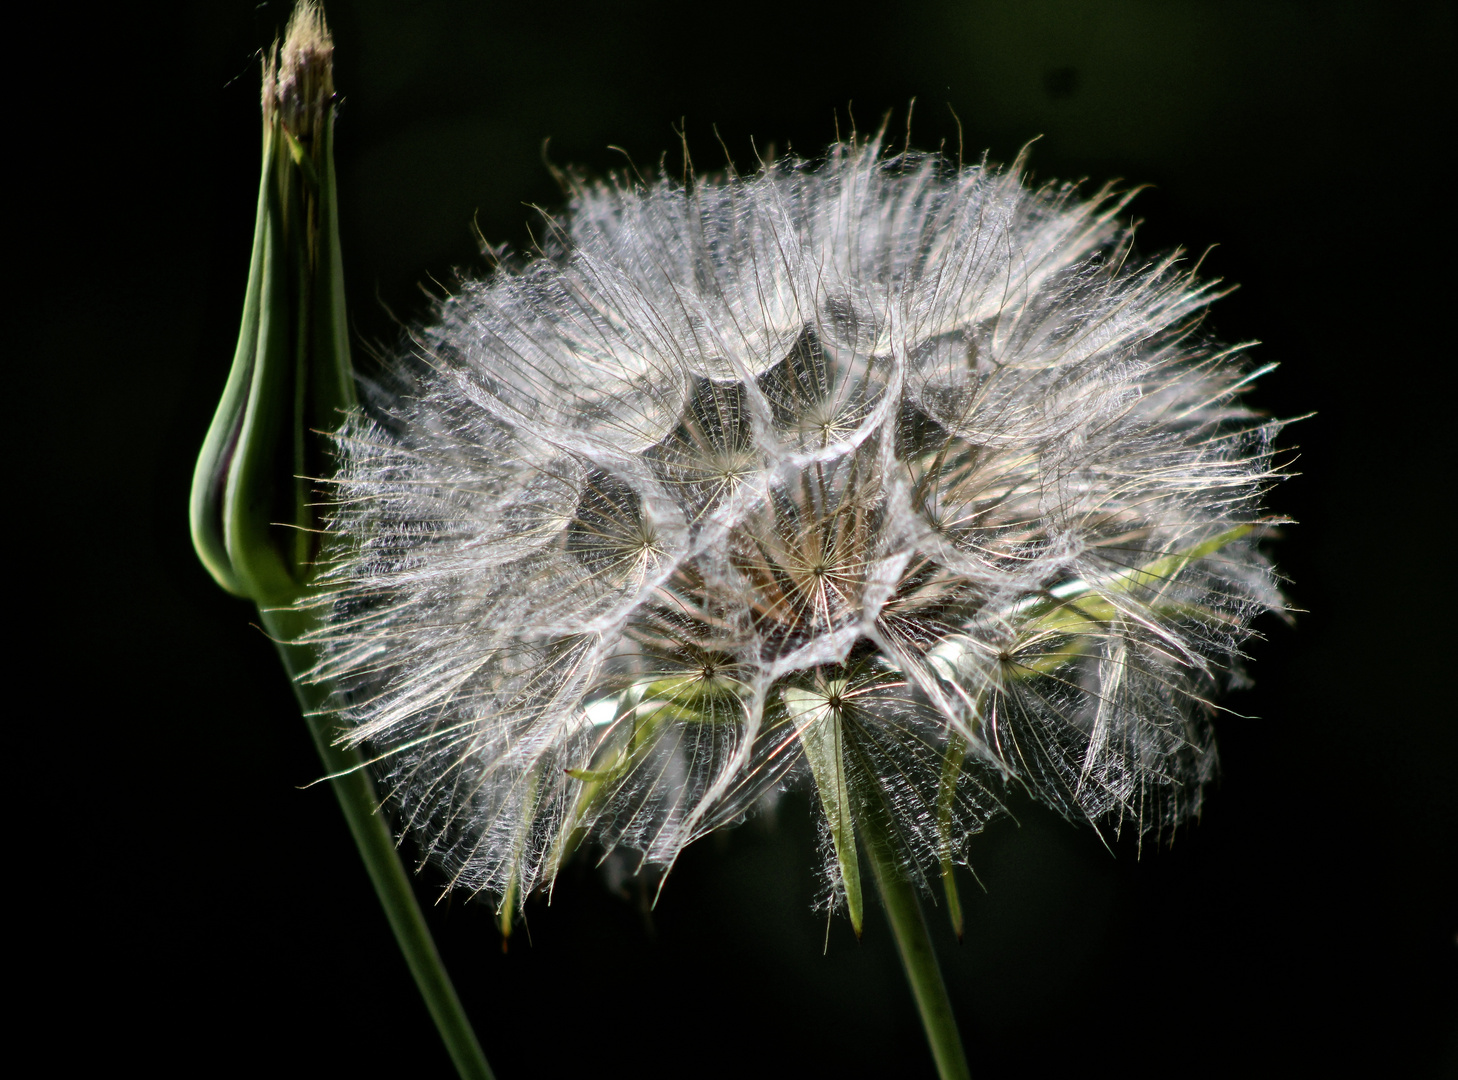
x: 188, y: 908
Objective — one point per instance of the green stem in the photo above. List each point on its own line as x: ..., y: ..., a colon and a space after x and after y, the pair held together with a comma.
x: 903, y: 911
x: 356, y: 793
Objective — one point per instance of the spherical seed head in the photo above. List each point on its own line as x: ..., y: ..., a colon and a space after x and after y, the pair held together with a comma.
x: 884, y: 448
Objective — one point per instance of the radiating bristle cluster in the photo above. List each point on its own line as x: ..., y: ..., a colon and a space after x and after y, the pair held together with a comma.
x: 884, y: 475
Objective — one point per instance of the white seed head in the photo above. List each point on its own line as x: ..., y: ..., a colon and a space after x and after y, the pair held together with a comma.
x: 883, y: 441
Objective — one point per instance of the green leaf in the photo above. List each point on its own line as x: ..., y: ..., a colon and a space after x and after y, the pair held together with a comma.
x: 956, y: 753
x: 1081, y: 607
x: 822, y: 737
x: 595, y: 783
x: 511, y: 898
x: 1167, y: 567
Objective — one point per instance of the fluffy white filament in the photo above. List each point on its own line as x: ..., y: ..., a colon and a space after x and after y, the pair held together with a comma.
x: 885, y: 439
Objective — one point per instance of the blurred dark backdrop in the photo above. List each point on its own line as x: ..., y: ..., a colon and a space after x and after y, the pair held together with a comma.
x: 194, y: 912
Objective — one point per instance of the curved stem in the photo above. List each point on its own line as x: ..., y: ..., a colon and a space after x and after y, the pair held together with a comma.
x: 357, y: 798
x: 903, y: 911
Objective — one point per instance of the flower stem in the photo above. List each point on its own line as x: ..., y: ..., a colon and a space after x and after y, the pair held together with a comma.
x: 357, y: 798
x: 903, y: 911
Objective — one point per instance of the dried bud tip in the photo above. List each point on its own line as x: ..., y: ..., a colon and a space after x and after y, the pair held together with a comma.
x: 298, y: 81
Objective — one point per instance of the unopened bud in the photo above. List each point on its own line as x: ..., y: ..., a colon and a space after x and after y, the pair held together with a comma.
x: 252, y: 520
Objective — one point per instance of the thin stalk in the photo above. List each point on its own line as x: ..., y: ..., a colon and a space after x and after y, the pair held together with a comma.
x: 357, y: 798
x: 908, y: 926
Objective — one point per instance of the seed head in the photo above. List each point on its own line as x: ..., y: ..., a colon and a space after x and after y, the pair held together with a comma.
x: 884, y: 475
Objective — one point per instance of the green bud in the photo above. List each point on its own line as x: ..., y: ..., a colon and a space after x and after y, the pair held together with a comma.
x: 253, y: 522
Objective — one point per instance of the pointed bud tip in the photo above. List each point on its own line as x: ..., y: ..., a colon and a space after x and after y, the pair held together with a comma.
x: 298, y: 79
x: 307, y: 33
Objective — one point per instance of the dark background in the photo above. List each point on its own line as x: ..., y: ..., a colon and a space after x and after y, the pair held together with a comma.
x: 188, y: 908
